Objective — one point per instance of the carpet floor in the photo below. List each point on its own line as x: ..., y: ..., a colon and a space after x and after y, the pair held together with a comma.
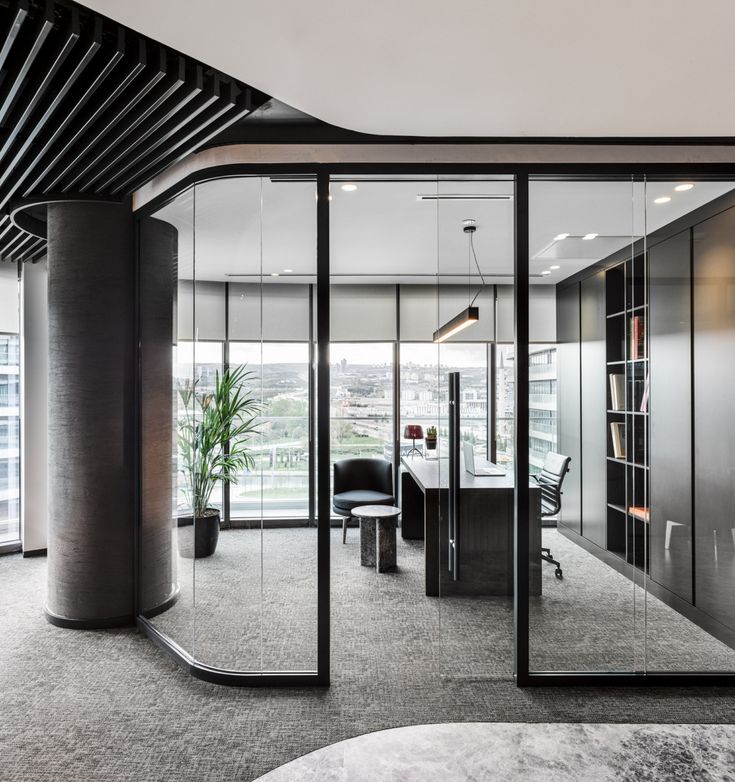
x: 108, y: 705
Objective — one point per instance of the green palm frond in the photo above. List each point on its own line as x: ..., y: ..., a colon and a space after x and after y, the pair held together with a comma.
x: 213, y: 433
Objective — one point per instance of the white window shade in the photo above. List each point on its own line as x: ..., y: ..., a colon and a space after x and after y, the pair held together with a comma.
x: 9, y: 318
x: 362, y: 313
x: 424, y: 308
x: 210, y: 310
x: 284, y: 308
x: 541, y: 313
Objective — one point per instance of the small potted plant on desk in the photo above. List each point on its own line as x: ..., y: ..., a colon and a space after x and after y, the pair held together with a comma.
x: 430, y: 440
x: 212, y: 435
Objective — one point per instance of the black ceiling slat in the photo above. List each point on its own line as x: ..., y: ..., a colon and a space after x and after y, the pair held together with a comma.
x: 44, y: 28
x: 201, y: 104
x: 146, y: 80
x: 21, y: 14
x: 59, y: 95
x: 190, y: 129
x: 167, y: 88
x: 165, y: 114
x: 218, y: 124
x: 96, y: 84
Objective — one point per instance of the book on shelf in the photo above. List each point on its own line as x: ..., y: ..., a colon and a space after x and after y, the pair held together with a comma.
x: 637, y: 332
x: 617, y: 432
x: 646, y: 388
x: 617, y: 391
x: 641, y: 513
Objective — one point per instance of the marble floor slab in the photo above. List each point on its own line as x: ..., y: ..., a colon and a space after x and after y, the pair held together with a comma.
x: 486, y: 751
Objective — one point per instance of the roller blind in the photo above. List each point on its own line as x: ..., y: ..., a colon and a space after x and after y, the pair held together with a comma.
x: 210, y: 310
x: 362, y: 313
x: 425, y: 307
x: 541, y: 313
x: 285, y: 312
x: 9, y: 317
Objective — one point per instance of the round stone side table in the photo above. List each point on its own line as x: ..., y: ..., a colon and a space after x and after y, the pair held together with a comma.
x: 378, y: 535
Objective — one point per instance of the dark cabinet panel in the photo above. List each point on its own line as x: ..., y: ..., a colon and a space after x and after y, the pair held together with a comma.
x: 593, y: 407
x: 714, y: 416
x: 670, y: 414
x: 568, y: 381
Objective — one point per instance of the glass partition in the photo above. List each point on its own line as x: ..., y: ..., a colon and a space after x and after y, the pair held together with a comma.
x: 636, y: 541
x: 240, y: 538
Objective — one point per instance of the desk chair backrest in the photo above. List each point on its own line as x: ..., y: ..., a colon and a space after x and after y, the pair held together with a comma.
x: 550, y: 480
x: 363, y: 475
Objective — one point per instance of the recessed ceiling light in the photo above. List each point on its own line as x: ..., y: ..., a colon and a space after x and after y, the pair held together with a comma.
x: 662, y: 200
x: 545, y: 271
x: 559, y: 237
x: 348, y: 188
x: 554, y: 268
x: 288, y: 271
x: 682, y: 188
x: 587, y: 237
x: 274, y: 274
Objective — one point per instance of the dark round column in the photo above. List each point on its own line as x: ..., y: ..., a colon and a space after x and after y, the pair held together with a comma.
x: 158, y: 243
x: 91, y: 414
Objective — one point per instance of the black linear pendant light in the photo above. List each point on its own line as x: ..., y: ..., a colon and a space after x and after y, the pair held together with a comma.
x: 471, y: 314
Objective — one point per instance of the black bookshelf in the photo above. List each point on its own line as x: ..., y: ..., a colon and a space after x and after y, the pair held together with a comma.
x: 627, y: 469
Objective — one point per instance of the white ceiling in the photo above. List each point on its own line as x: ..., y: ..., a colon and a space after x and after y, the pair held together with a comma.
x: 380, y: 232
x: 468, y: 67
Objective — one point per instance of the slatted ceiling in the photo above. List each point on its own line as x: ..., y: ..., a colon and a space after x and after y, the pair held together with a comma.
x: 155, y: 96
x: 18, y: 72
x: 176, y: 107
x: 121, y: 76
x: 86, y: 51
x: 219, y: 115
x: 87, y: 106
x: 127, y: 101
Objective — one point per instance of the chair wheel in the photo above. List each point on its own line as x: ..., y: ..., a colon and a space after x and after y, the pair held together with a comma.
x: 558, y: 573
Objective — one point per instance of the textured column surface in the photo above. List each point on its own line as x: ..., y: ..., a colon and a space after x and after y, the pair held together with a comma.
x: 91, y: 424
x: 158, y: 248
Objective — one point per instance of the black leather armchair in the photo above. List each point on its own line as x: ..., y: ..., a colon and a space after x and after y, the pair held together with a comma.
x: 361, y: 482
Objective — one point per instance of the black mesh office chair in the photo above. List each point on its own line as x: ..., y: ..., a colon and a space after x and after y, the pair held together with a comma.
x: 550, y: 480
x: 361, y: 482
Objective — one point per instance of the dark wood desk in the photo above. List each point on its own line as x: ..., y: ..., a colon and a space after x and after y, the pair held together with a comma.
x: 486, y: 528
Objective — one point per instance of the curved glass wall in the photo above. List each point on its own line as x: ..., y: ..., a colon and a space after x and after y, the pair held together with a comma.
x: 237, y: 537
x: 627, y: 318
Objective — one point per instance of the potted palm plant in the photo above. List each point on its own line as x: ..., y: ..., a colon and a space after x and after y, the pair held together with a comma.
x: 213, y: 434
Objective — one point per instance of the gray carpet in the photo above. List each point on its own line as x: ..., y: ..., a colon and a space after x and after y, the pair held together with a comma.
x: 592, y: 620
x: 110, y: 706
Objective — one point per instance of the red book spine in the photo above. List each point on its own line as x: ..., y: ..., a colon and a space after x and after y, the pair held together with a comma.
x: 636, y: 336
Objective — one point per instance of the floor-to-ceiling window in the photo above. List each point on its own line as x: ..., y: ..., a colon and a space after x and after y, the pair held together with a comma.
x: 9, y: 438
x: 422, y: 400
x: 543, y: 404
x: 9, y: 406
x: 278, y: 486
x: 361, y: 400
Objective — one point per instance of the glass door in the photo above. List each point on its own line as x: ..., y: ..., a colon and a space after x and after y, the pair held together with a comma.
x: 474, y: 307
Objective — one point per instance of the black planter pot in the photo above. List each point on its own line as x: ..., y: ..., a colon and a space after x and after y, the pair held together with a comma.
x: 198, y: 540
x: 430, y: 445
